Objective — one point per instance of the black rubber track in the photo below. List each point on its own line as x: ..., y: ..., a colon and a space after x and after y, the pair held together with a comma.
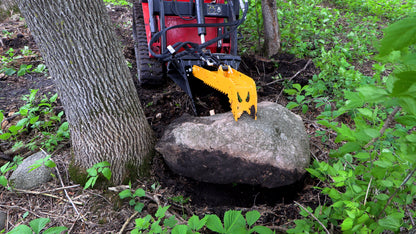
x: 149, y: 70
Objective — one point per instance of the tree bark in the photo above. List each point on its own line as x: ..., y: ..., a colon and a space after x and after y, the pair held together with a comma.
x: 7, y: 4
x: 84, y: 57
x: 271, y: 27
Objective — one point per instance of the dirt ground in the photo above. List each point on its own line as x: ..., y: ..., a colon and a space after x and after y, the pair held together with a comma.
x: 101, y: 211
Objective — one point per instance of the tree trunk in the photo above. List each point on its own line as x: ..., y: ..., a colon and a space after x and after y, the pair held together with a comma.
x: 84, y: 57
x: 271, y: 27
x: 7, y: 7
x: 7, y: 4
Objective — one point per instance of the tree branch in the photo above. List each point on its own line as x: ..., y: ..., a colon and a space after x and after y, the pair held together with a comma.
x: 385, y: 126
x: 45, y: 194
x: 292, y: 77
x: 313, y: 216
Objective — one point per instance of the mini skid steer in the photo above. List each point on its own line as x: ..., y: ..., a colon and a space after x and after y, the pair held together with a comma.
x: 192, y: 40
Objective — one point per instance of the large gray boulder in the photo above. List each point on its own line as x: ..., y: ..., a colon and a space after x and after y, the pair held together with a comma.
x: 271, y: 151
x: 21, y: 178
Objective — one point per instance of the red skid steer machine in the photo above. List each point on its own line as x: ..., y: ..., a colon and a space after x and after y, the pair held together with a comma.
x: 193, y: 39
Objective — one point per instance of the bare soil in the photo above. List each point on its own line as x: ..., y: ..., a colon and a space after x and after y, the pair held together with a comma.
x: 100, y: 210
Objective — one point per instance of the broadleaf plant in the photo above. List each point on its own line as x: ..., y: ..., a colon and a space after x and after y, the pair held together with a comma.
x: 370, y: 178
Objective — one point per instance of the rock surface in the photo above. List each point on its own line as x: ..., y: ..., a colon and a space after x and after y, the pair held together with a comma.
x: 271, y: 151
x: 21, y: 178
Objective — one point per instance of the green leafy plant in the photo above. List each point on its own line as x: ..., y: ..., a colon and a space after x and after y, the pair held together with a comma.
x: 10, y: 62
x: 9, y: 166
x: 370, y: 178
x: 234, y: 222
x: 162, y: 222
x: 26, y: 51
x: 155, y: 225
x: 41, y: 68
x: 47, y: 161
x: 36, y: 226
x: 6, y: 33
x: 24, y: 69
x: 118, y: 2
x: 138, y: 206
x: 95, y: 171
x: 300, y: 94
x: 181, y: 200
x: 38, y: 115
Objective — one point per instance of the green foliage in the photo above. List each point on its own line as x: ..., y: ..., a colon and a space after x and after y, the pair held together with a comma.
x: 339, y: 41
x: 181, y: 200
x: 234, y: 223
x: 9, y: 166
x: 43, y: 162
x: 38, y: 115
x: 118, y: 2
x: 299, y: 99
x: 253, y: 26
x: 94, y: 172
x: 36, y: 226
x: 138, y: 206
x: 162, y: 222
x: 10, y: 63
x: 370, y: 179
x: 390, y: 9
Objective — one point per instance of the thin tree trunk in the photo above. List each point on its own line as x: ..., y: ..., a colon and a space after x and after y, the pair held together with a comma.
x: 271, y: 27
x: 84, y: 57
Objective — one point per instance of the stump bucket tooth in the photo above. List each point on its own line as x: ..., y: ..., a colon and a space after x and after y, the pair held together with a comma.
x: 240, y: 89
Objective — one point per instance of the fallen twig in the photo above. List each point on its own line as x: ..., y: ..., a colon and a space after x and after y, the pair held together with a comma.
x: 56, y: 189
x: 168, y: 213
x: 397, y: 189
x: 127, y: 222
x: 368, y: 189
x: 63, y: 185
x: 385, y: 126
x: 45, y: 194
x: 313, y: 216
x: 73, y: 224
x: 292, y: 77
x: 66, y: 193
x: 277, y: 228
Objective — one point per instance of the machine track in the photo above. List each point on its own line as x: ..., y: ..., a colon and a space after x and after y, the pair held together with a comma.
x: 149, y: 70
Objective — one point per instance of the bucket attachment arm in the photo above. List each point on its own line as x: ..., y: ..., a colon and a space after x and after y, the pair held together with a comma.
x: 240, y: 89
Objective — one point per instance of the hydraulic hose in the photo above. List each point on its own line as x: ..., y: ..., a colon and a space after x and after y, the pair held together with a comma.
x: 166, y: 56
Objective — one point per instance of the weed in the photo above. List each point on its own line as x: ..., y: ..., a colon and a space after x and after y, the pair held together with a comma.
x: 41, y: 68
x: 36, y: 226
x: 9, y: 63
x: 234, y: 221
x: 370, y: 178
x: 9, y: 166
x: 119, y: 2
x: 6, y: 33
x: 181, y: 200
x: 26, y: 51
x: 94, y: 172
x: 300, y: 98
x: 38, y: 115
x: 138, y: 206
x: 24, y: 69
